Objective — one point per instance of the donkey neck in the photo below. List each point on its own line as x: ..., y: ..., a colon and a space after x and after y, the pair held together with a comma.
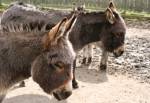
x: 18, y: 52
x: 87, y: 29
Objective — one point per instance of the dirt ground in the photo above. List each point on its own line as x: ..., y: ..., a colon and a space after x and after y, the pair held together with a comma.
x: 125, y: 81
x: 94, y: 88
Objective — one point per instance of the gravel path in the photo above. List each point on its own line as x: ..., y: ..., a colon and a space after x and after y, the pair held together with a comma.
x: 135, y: 62
x: 126, y: 81
x: 95, y: 87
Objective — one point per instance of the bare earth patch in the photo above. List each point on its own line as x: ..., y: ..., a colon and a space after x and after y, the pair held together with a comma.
x: 126, y: 81
x: 117, y: 89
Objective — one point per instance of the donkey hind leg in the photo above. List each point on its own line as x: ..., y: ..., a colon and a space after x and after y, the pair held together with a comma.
x: 74, y: 82
x: 22, y: 84
x: 84, y: 56
x: 87, y: 54
x: 2, y: 96
x: 104, y: 58
x: 90, y: 53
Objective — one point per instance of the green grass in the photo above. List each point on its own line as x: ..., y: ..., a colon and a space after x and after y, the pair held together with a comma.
x: 136, y: 15
x: 67, y: 7
x: 127, y: 14
x: 3, y: 7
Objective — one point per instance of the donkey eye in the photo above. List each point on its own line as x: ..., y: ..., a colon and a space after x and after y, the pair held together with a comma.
x: 121, y: 33
x: 112, y: 33
x: 118, y: 35
x: 51, y: 66
x: 53, y: 56
x: 59, y: 65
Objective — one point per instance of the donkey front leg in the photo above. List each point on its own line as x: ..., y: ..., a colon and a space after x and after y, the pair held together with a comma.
x: 104, y: 59
x: 74, y: 82
x: 2, y: 94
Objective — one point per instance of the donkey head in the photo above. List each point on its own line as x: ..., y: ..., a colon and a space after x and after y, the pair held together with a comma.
x: 79, y: 8
x: 52, y: 70
x: 114, y: 31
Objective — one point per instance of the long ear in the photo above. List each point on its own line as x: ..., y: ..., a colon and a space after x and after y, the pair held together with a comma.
x: 110, y: 16
x: 112, y: 6
x: 53, y: 34
x: 69, y: 24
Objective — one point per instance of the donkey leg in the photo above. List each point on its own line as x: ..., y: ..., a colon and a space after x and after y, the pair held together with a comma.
x: 83, y: 61
x: 90, y: 53
x: 2, y: 96
x: 84, y: 56
x: 104, y: 58
x: 22, y: 84
x: 74, y: 82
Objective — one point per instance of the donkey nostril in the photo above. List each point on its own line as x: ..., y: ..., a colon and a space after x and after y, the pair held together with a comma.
x: 67, y: 94
x: 56, y: 96
x: 117, y: 54
x: 121, y: 52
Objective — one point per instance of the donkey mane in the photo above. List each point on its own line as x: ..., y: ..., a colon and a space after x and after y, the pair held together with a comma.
x: 37, y: 21
x: 22, y: 4
x: 93, y: 13
x: 92, y: 17
x: 31, y: 19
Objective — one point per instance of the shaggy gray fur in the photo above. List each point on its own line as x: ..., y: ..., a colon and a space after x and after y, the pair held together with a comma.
x: 17, y: 53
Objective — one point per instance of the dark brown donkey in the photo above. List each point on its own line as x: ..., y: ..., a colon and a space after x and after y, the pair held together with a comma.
x: 48, y: 58
x: 106, y: 27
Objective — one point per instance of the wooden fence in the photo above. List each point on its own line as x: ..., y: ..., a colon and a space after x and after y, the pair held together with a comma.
x: 133, y: 5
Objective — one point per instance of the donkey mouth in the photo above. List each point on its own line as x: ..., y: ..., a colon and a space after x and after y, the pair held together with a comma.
x: 116, y: 55
x: 62, y: 95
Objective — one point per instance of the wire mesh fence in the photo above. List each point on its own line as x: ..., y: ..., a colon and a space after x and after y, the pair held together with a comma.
x: 133, y: 5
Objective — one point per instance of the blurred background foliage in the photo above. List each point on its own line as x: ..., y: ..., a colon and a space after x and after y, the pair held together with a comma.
x: 132, y: 8
x: 133, y: 5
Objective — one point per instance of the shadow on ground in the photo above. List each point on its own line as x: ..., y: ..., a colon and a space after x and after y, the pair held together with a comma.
x: 32, y: 98
x: 91, y: 75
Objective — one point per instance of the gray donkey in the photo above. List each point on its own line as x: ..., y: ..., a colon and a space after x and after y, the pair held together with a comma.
x: 48, y: 58
x: 106, y: 27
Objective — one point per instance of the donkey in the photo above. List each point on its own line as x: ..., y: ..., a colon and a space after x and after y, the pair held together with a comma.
x: 106, y: 27
x: 47, y: 58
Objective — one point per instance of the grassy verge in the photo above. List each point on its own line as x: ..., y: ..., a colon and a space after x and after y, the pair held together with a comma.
x: 127, y: 14
x: 136, y: 15
x: 3, y: 7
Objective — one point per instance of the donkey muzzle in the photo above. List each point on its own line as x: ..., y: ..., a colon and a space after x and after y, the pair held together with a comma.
x: 62, y: 95
x: 119, y: 51
x: 63, y: 92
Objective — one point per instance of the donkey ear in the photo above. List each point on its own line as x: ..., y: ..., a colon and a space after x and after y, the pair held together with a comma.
x: 110, y: 16
x: 54, y: 32
x: 69, y: 24
x: 112, y: 6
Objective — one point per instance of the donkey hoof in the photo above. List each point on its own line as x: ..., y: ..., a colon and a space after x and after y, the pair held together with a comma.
x: 75, y: 85
x: 89, y: 60
x: 83, y: 61
x: 103, y: 67
x: 22, y: 84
